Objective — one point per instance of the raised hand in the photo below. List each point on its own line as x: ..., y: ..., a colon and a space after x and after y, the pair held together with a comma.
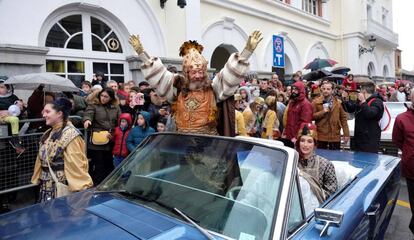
x: 136, y: 43
x: 253, y: 40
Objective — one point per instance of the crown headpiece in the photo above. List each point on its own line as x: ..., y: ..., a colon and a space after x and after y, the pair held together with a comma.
x: 192, y: 58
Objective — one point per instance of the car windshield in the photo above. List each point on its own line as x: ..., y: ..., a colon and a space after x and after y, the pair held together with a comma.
x: 215, y: 181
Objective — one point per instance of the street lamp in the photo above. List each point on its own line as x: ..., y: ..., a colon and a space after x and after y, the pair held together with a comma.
x: 372, y: 42
x: 180, y: 3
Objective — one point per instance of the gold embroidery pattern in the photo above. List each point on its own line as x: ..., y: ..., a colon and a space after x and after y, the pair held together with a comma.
x: 192, y: 104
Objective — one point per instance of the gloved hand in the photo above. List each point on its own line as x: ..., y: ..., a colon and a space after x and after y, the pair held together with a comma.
x: 136, y: 44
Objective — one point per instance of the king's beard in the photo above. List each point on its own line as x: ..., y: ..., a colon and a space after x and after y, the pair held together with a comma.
x: 199, y: 84
x: 196, y: 85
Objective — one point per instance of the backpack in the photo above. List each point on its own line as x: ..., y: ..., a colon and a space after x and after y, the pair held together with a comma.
x: 385, y: 120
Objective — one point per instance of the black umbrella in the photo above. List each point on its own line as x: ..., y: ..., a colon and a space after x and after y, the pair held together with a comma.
x: 341, y: 70
x: 334, y: 78
x: 317, y: 74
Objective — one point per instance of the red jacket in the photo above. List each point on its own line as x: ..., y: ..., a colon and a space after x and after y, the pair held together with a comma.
x: 352, y: 85
x: 299, y: 111
x: 403, y: 137
x: 119, y: 137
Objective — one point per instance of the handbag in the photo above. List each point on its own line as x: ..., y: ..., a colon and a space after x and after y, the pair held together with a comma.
x: 100, y: 137
x: 61, y: 189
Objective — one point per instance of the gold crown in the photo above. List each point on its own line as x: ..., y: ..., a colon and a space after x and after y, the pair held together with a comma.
x: 308, y: 129
x: 192, y: 58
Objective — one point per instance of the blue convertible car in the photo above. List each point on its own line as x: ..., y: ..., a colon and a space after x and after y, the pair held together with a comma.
x: 176, y: 186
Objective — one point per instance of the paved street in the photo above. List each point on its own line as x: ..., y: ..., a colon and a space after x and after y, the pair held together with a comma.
x: 398, y: 228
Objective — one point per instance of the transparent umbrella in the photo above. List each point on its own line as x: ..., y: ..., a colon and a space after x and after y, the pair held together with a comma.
x: 51, y: 82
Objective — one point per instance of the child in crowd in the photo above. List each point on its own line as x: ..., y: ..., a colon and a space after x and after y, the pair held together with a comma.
x: 162, y: 124
x: 120, y: 135
x: 86, y: 89
x: 10, y: 108
x: 140, y: 131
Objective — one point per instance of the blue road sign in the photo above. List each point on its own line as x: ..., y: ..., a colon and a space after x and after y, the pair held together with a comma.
x: 278, y: 52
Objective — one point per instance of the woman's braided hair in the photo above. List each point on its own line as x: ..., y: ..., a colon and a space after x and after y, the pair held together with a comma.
x: 59, y: 105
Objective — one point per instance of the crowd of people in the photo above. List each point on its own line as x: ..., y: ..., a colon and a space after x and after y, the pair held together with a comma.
x: 118, y: 116
x: 125, y: 113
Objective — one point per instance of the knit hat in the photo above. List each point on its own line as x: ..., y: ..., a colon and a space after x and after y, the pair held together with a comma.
x: 308, y: 129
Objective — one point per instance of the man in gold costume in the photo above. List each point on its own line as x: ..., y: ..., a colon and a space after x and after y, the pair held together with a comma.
x: 194, y: 97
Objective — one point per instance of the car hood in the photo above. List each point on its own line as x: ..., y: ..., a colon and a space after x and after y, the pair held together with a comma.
x: 94, y: 216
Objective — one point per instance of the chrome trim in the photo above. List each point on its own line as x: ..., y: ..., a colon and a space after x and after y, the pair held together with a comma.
x: 279, y: 231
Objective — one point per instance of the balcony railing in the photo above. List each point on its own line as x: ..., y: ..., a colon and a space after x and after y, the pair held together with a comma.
x: 379, y: 31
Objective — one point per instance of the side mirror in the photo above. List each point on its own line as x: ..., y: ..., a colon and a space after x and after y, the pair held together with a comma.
x: 328, y: 217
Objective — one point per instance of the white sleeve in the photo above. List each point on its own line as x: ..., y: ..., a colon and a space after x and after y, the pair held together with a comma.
x: 158, y: 76
x: 227, y: 81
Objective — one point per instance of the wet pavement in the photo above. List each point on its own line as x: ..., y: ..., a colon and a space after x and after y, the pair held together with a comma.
x: 398, y: 227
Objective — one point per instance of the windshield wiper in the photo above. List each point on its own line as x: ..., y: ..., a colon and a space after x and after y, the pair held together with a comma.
x: 171, y: 209
x: 202, y: 230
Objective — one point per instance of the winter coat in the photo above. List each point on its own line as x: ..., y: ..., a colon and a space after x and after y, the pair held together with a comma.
x: 403, y: 137
x: 120, y: 136
x: 352, y: 85
x: 240, y: 125
x: 102, y: 117
x: 154, y: 114
x: 138, y: 133
x: 35, y: 104
x: 7, y: 100
x: 270, y: 124
x: 299, y: 111
x: 329, y: 124
x: 367, y: 133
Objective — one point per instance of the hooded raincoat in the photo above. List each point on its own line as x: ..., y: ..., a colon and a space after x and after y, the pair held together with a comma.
x: 120, y: 136
x: 138, y: 133
x: 299, y: 111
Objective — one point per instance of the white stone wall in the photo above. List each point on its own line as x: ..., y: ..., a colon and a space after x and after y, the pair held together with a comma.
x: 214, y: 22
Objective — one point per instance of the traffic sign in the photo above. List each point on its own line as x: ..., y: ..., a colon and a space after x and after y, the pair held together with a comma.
x: 278, y: 51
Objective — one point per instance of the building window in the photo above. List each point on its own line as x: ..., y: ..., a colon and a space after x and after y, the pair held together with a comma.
x: 385, y: 71
x: 369, y: 12
x: 384, y: 17
x: 97, y: 49
x: 371, y: 69
x: 312, y: 6
x: 67, y: 33
x: 103, y: 36
x: 71, y: 69
x: 113, y: 71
